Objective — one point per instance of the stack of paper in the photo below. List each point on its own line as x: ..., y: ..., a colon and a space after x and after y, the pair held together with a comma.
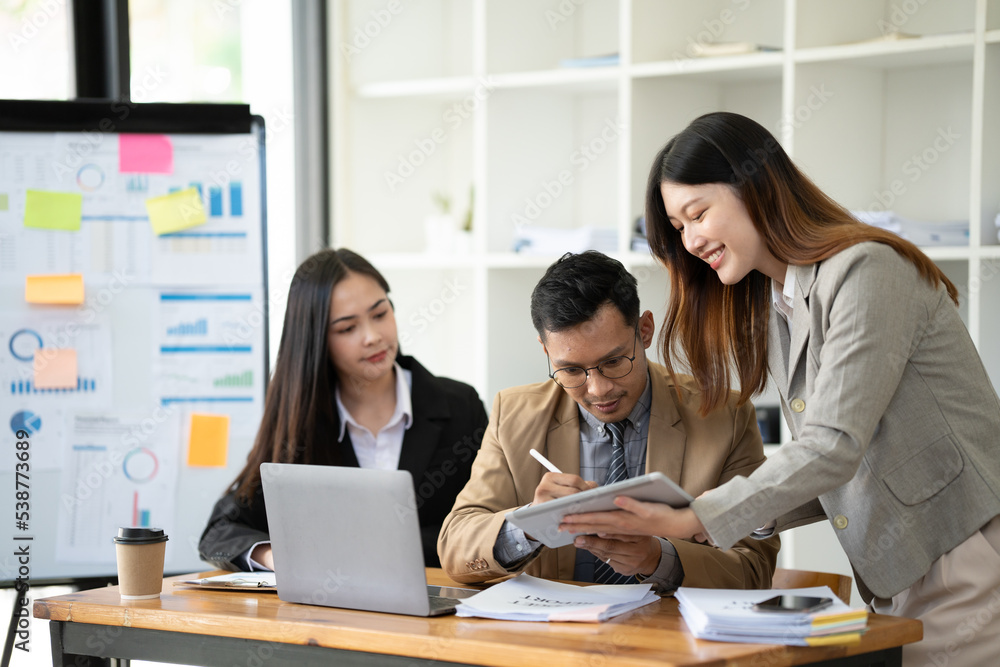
x: 711, y: 49
x: 729, y: 616
x: 607, y: 60
x: 953, y: 232
x: 527, y: 598
x: 255, y: 581
x: 534, y: 240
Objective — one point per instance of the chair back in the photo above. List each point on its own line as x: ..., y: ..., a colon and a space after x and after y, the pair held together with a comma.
x: 838, y: 583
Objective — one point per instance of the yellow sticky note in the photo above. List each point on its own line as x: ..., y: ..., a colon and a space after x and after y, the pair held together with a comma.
x: 55, y: 368
x: 176, y: 211
x: 53, y: 210
x: 58, y: 288
x: 208, y: 444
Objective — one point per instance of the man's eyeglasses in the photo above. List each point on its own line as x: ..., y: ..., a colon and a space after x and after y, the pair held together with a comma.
x: 572, y: 377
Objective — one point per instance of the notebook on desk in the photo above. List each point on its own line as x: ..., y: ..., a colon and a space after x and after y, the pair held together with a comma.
x: 350, y: 538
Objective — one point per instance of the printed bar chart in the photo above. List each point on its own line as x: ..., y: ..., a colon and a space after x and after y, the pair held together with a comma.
x: 244, y: 379
x: 236, y: 199
x: 140, y: 516
x: 27, y: 387
x: 215, y: 202
x: 198, y: 328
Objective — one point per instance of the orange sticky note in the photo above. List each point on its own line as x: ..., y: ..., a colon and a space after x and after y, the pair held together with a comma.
x: 55, y: 368
x: 208, y: 444
x: 145, y: 153
x: 176, y: 211
x: 57, y: 288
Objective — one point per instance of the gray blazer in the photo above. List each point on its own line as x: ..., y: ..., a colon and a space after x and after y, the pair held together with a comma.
x: 895, y: 424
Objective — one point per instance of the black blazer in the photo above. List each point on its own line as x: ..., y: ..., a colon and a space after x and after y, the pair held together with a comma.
x: 438, y: 449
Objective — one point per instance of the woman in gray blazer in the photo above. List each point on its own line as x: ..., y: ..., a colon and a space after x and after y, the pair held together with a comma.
x: 895, y: 424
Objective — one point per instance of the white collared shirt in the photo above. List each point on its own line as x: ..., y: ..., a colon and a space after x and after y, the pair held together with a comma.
x: 783, y: 296
x: 380, y: 450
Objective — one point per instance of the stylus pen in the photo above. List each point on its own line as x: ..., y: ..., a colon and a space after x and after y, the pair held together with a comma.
x: 544, y: 461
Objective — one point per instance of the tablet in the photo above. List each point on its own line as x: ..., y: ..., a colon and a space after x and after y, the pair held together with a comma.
x: 542, y: 521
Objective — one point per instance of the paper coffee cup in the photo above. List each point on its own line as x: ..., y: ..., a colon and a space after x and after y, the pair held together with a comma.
x: 140, y: 554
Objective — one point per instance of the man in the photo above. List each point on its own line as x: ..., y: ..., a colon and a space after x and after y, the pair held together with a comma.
x: 609, y: 410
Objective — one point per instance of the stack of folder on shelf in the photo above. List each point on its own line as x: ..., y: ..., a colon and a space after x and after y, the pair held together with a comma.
x: 729, y: 616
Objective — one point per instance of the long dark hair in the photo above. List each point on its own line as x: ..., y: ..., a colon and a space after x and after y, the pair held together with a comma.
x: 300, y: 414
x: 723, y: 328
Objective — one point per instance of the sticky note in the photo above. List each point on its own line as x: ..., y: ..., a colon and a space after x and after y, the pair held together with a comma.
x: 58, y: 288
x: 55, y: 368
x: 4, y: 201
x: 53, y: 210
x: 145, y: 154
x: 176, y: 211
x: 208, y: 444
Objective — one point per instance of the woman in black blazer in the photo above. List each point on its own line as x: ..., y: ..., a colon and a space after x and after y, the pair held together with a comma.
x: 342, y: 394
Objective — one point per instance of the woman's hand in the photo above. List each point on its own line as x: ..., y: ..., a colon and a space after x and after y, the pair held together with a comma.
x: 262, y: 554
x: 637, y: 518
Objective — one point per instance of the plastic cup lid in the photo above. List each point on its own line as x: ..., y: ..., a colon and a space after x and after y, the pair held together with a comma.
x: 140, y: 536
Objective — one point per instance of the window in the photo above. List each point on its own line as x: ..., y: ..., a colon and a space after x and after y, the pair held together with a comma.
x: 36, y: 50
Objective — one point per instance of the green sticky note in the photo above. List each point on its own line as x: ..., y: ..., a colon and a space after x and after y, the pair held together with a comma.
x: 4, y: 202
x: 176, y: 211
x: 53, y: 210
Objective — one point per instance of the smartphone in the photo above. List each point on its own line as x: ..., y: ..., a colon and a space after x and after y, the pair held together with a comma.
x: 793, y: 603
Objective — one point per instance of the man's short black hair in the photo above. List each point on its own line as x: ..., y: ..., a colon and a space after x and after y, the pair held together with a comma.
x: 577, y: 286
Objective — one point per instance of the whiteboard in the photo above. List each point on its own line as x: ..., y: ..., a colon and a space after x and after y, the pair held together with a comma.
x: 171, y: 334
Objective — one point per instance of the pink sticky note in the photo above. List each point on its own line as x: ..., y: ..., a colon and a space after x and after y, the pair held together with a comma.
x: 145, y: 154
x: 55, y: 368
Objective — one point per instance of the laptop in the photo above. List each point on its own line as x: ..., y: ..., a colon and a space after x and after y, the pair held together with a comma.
x: 350, y: 538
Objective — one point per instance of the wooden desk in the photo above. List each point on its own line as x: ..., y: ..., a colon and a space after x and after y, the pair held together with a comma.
x: 258, y: 630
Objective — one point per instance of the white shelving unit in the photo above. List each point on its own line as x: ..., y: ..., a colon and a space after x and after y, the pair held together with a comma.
x: 469, y: 96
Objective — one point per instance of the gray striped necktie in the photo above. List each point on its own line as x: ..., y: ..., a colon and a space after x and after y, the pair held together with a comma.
x: 617, y: 471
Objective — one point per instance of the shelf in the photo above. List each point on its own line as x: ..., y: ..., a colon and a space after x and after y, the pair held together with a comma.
x: 445, y: 88
x: 570, y: 80
x: 402, y: 261
x: 936, y: 50
x: 722, y: 68
x: 993, y: 36
x: 947, y: 253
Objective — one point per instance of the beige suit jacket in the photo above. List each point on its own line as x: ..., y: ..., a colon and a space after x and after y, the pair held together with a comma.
x: 698, y: 453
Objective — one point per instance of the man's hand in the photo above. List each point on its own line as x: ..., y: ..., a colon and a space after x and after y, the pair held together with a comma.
x: 627, y: 554
x: 559, y: 484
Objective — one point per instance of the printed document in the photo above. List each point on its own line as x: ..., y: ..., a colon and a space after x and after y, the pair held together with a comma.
x: 527, y: 598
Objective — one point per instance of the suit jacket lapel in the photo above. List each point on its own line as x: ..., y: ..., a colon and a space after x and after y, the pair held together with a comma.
x: 804, y: 277
x: 777, y: 339
x: 563, y: 439
x: 666, y: 441
x: 562, y: 447
x: 420, y: 440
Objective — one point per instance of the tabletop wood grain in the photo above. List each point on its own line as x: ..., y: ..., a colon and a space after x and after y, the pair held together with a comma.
x: 652, y: 635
